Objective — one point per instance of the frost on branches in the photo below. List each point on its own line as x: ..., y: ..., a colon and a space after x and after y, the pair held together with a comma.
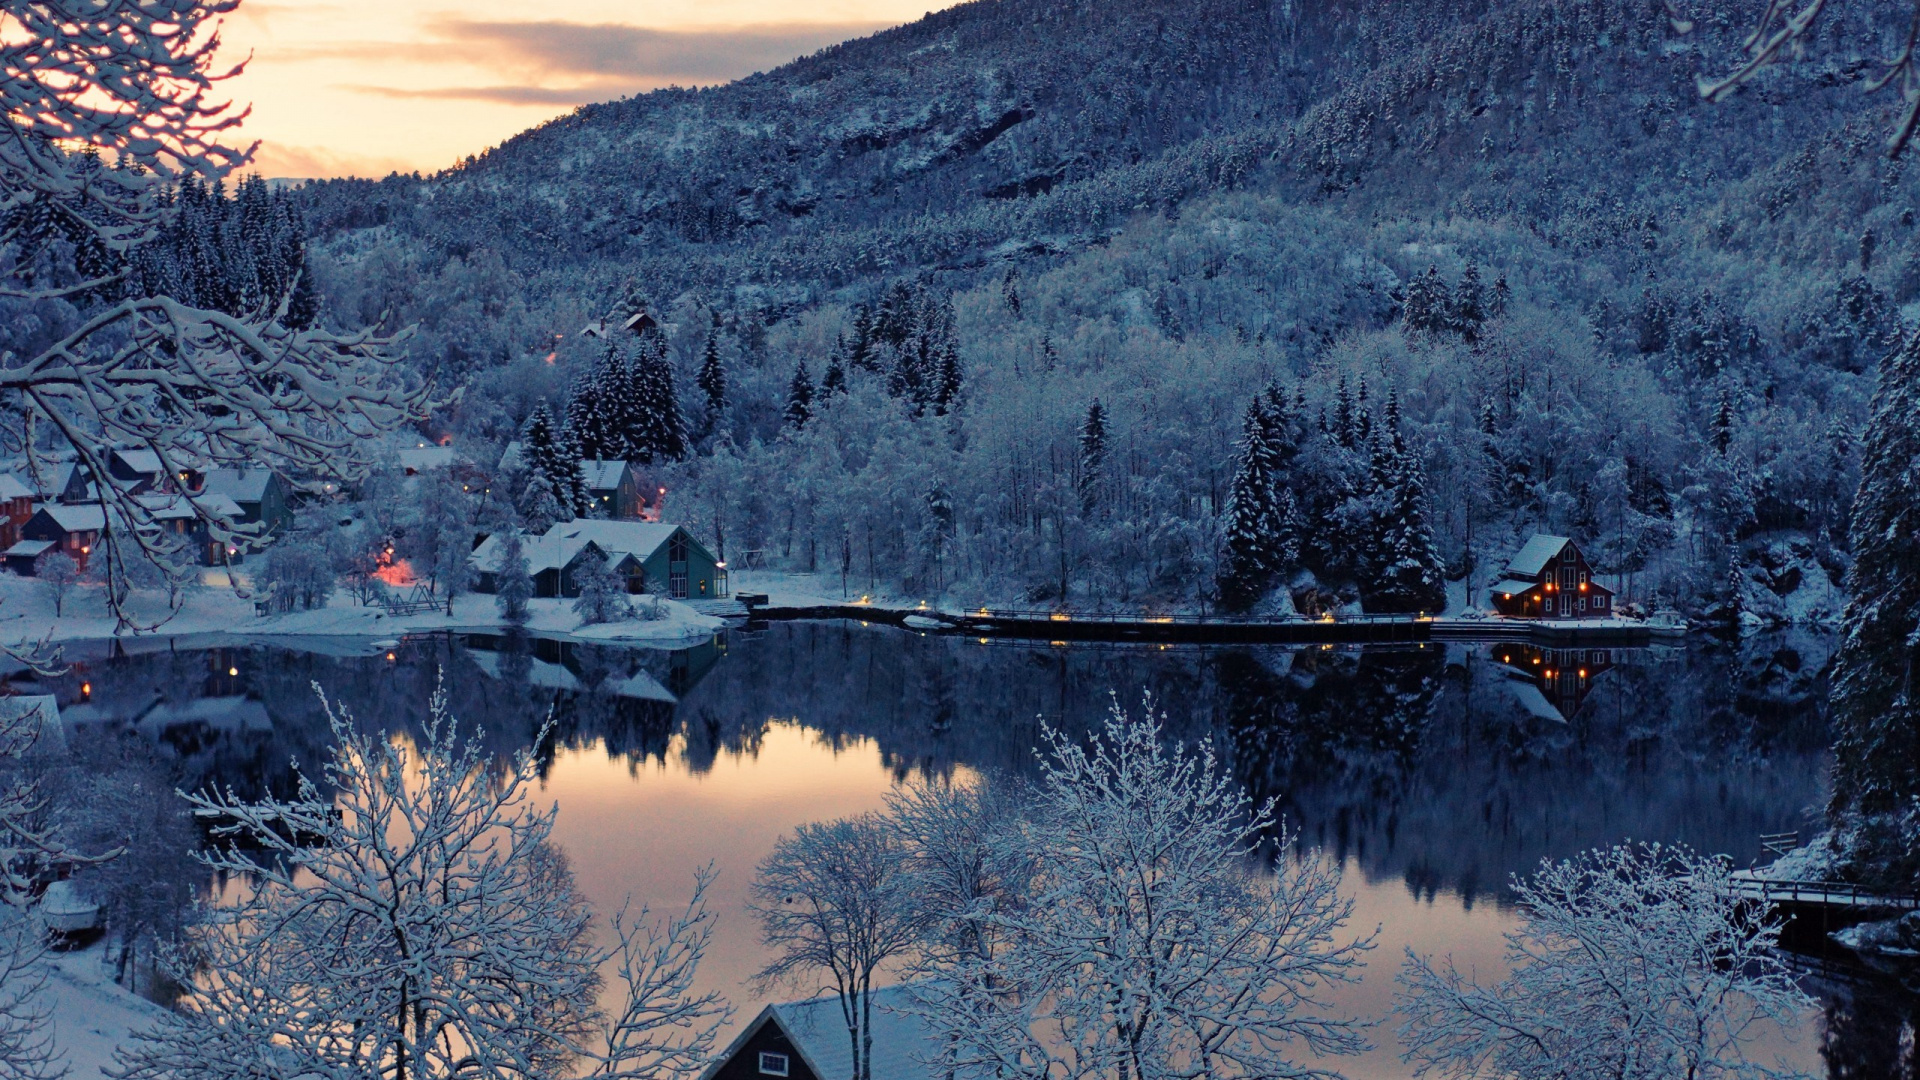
x: 113, y: 367
x: 420, y: 922
x: 1149, y: 945
x: 1632, y: 963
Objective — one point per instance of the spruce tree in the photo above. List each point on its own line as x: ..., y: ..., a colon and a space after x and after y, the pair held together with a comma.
x: 835, y: 380
x: 1875, y: 701
x: 712, y: 379
x: 1093, y: 456
x: 1469, y: 305
x: 657, y: 431
x: 513, y: 578
x: 1253, y: 542
x: 946, y: 380
x: 590, y: 411
x: 1343, y: 414
x: 552, y: 468
x: 1720, y: 431
x: 1010, y: 291
x: 1428, y: 308
x: 799, y: 397
x: 1409, y: 574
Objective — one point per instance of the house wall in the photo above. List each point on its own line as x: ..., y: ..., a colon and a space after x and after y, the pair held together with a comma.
x: 1562, y: 577
x: 745, y: 1063
x: 703, y: 578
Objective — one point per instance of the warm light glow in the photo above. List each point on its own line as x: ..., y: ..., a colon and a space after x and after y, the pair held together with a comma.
x: 1536, y: 660
x: 1583, y: 673
x: 1060, y: 616
x: 233, y: 671
x: 1583, y: 586
x: 390, y: 656
x: 86, y: 690
x: 1160, y: 619
x: 398, y: 573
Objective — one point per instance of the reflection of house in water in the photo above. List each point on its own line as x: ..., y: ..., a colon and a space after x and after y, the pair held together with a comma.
x: 622, y: 696
x: 1551, y: 683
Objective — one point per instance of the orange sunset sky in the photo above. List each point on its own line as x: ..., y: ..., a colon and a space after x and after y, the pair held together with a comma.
x: 365, y: 87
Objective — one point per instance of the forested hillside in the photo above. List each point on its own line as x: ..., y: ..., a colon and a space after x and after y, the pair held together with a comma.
x: 981, y: 306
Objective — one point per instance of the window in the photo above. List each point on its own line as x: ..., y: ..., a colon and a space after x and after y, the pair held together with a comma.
x: 1599, y: 601
x: 677, y: 548
x: 677, y: 585
x: 773, y: 1064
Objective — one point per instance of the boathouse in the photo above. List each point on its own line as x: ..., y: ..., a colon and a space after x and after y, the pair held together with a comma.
x: 1549, y: 578
x: 807, y: 1040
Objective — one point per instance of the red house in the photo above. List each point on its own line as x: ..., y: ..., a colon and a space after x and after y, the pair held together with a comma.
x: 1550, y: 579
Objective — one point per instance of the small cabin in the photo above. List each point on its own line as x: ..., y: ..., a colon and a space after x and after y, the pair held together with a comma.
x: 73, y: 529
x: 259, y: 493
x: 614, y: 488
x: 1549, y: 578
x: 16, y: 506
x: 807, y: 1040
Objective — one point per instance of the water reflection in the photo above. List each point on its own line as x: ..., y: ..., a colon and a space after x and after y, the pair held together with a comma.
x: 1432, y: 772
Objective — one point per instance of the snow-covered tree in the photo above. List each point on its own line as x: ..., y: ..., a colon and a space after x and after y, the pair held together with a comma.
x: 1875, y: 698
x: 99, y: 108
x: 553, y: 469
x: 416, y: 920
x: 513, y: 578
x: 1151, y: 943
x: 1254, y: 530
x: 835, y: 901
x: 59, y: 573
x: 295, y: 573
x: 1636, y: 962
x: 964, y: 855
x: 658, y: 430
x: 26, y: 1046
x: 603, y: 593
x: 799, y: 397
x: 1093, y: 456
x: 712, y: 381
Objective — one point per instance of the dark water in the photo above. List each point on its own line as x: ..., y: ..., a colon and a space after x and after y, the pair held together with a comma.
x: 1432, y: 774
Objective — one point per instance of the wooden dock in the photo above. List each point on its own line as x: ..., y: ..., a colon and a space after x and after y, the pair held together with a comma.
x: 1066, y: 626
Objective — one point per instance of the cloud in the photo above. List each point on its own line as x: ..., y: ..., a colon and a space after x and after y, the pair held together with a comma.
x: 279, y: 161
x: 691, y: 56
x: 508, y: 95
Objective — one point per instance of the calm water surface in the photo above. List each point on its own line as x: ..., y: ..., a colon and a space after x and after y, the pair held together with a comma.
x: 1431, y: 773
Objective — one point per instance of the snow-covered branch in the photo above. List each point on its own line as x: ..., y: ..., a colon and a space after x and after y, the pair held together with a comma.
x: 420, y: 923
x: 1634, y: 962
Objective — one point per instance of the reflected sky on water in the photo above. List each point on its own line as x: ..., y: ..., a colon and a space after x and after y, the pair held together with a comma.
x: 1433, y: 773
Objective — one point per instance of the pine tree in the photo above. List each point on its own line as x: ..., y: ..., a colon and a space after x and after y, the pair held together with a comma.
x: 1409, y: 575
x: 1254, y: 552
x: 1010, y: 291
x: 1428, y: 308
x: 834, y: 382
x: 658, y: 430
x: 712, y: 379
x: 1093, y: 456
x: 947, y: 380
x: 591, y: 411
x: 799, y: 397
x: 860, y: 357
x: 552, y: 468
x: 1500, y: 298
x: 1720, y: 432
x: 1343, y: 414
x: 1875, y: 700
x: 1469, y: 307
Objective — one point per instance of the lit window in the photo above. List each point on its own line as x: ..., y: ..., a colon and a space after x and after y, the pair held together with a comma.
x: 773, y: 1064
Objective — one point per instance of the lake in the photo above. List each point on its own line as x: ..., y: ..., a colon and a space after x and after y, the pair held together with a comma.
x: 1431, y: 773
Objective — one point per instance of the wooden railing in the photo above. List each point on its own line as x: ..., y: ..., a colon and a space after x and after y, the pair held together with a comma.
x: 1822, y: 893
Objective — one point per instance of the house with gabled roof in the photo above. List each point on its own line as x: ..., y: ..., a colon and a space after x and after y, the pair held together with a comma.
x: 807, y: 1040
x: 73, y: 529
x: 16, y: 506
x: 260, y: 493
x: 652, y: 556
x: 1548, y: 578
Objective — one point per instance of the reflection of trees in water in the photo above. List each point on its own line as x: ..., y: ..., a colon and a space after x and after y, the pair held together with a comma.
x: 1869, y: 1020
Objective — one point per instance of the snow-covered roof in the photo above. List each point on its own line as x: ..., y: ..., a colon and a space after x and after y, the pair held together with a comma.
x: 240, y: 485
x: 42, y: 715
x: 541, y: 673
x: 419, y: 459
x: 1513, y: 586
x: 178, y: 508
x: 1535, y: 556
x: 76, y: 517
x: 1532, y: 700
x: 11, y: 488
x: 28, y: 549
x: 640, y: 686
x: 603, y: 474
x: 142, y: 462
x: 639, y: 539
x: 232, y: 715
x: 547, y: 552
x: 902, y: 1042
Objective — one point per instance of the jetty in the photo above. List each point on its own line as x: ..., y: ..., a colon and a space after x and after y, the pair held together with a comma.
x: 1077, y: 626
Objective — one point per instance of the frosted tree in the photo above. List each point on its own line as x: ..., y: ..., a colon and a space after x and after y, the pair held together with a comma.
x: 1093, y: 456
x: 553, y: 470
x: 712, y: 380
x: 603, y: 593
x: 1152, y: 945
x: 512, y: 578
x: 59, y: 572
x: 658, y: 431
x: 296, y: 573
x: 799, y: 397
x: 833, y: 382
x: 835, y: 902
x: 594, y: 408
x: 1632, y: 963
x: 1253, y: 526
x: 1875, y: 700
x: 1428, y: 308
x: 966, y: 861
x: 414, y: 920
x: 129, y: 85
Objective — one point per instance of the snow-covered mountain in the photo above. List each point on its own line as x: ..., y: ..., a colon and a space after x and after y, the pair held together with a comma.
x: 1193, y: 199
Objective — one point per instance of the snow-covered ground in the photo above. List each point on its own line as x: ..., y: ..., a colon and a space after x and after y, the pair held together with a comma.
x: 27, y: 615
x: 92, y: 1016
